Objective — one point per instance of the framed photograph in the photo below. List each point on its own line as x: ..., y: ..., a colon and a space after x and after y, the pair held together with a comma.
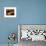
x: 33, y: 32
x: 9, y: 11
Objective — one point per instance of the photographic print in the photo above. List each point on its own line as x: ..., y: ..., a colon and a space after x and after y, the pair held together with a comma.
x: 9, y: 11
x: 32, y: 32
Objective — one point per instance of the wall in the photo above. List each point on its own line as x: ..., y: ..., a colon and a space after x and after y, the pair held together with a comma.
x: 33, y: 11
x: 28, y: 12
